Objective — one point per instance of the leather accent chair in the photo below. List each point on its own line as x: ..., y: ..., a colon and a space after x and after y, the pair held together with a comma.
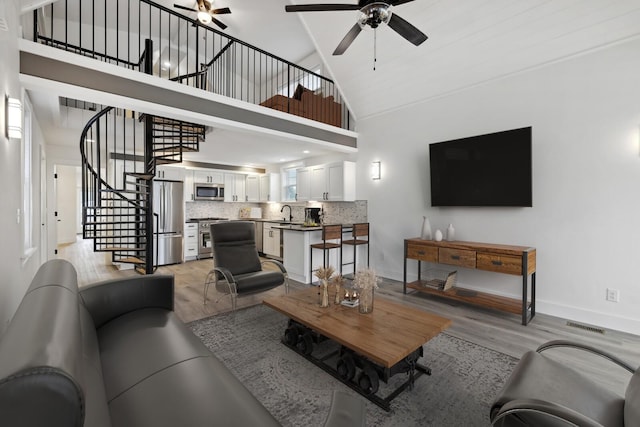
x: 237, y: 267
x: 545, y: 392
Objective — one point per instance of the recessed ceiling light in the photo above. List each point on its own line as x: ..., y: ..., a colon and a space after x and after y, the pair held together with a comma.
x: 306, y: 151
x: 283, y: 160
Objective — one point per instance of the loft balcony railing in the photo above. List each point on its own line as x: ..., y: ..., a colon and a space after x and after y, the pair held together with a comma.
x: 188, y: 52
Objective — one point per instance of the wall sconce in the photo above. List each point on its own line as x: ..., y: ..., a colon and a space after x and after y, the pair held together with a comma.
x: 13, y: 118
x: 375, y: 170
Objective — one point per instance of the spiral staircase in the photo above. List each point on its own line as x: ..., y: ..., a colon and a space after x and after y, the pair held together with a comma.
x: 117, y: 196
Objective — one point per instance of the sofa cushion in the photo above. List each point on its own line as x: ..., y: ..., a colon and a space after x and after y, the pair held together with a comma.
x: 197, y: 392
x: 299, y: 91
x: 139, y: 344
x: 158, y: 373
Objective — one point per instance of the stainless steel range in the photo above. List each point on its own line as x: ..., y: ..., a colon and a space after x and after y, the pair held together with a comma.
x: 204, y: 236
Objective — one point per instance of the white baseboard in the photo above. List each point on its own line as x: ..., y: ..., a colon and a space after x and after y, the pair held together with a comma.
x: 577, y: 314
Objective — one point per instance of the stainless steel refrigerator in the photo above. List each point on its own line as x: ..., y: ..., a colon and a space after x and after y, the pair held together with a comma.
x: 168, y: 205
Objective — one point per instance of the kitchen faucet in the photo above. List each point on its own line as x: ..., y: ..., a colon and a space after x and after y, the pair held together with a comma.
x: 290, y: 214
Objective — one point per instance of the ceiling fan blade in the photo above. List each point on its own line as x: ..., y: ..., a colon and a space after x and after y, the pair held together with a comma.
x: 397, y: 2
x: 407, y: 30
x: 348, y: 39
x: 320, y: 7
x: 177, y: 6
x: 221, y: 11
x: 218, y: 23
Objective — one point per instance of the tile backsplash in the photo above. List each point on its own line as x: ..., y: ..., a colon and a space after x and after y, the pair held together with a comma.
x: 334, y: 212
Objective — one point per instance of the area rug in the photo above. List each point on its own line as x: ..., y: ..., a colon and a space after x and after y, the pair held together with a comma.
x: 465, y: 377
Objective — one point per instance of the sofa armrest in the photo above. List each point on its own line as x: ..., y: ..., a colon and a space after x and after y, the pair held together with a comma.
x: 113, y: 298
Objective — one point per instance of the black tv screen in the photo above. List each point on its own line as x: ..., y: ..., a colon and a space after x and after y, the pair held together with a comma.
x: 484, y: 170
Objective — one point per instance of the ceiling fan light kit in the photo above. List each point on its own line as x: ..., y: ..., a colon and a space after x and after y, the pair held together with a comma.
x: 204, y: 17
x: 205, y: 11
x: 372, y: 14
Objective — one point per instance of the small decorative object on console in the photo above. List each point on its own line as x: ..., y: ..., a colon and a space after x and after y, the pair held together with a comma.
x: 438, y: 236
x: 426, y: 229
x: 451, y: 233
x: 441, y: 280
x: 366, y: 281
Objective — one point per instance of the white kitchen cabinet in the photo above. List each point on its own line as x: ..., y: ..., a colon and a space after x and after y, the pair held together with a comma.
x: 341, y: 181
x: 190, y: 241
x: 303, y: 184
x: 329, y: 182
x: 235, y: 187
x: 252, y: 188
x: 189, y: 195
x: 271, y: 240
x: 170, y: 173
x: 270, y: 187
x: 208, y: 176
x: 318, y: 182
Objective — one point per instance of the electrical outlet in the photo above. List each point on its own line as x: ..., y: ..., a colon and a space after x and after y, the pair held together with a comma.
x: 613, y: 295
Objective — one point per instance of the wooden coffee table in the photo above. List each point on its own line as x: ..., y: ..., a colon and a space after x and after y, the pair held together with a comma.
x: 379, y: 344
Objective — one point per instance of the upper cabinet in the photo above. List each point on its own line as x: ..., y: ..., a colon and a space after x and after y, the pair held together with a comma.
x: 208, y: 176
x: 170, y: 173
x: 235, y: 187
x: 270, y: 187
x: 252, y: 188
x: 189, y: 195
x: 341, y: 182
x: 303, y: 184
x: 328, y: 182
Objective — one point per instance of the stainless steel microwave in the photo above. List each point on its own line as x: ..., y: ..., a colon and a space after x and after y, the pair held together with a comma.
x: 208, y: 191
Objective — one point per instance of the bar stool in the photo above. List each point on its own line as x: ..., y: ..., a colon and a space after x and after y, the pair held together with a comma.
x: 359, y: 230
x: 331, y: 239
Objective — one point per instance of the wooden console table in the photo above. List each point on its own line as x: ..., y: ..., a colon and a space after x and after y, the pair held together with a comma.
x: 515, y: 260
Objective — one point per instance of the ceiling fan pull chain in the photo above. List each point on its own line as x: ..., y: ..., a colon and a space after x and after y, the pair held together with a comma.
x: 375, y: 32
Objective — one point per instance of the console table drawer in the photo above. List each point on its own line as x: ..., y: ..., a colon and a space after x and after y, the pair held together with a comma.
x: 500, y: 263
x: 461, y: 257
x: 422, y: 253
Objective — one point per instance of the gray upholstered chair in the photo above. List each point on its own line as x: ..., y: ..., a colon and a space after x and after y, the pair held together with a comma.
x: 237, y: 267
x: 544, y: 392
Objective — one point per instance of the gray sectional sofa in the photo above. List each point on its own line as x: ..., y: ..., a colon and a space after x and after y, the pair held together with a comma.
x: 113, y: 354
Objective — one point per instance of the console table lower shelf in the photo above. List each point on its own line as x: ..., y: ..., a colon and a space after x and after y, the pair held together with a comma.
x: 492, y: 301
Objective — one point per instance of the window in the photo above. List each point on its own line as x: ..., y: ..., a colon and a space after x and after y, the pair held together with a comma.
x: 289, y: 184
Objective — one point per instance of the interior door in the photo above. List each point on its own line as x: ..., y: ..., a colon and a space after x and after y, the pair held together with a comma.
x: 66, y: 204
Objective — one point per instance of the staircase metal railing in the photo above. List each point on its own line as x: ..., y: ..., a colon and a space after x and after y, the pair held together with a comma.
x: 186, y: 51
x: 117, y: 196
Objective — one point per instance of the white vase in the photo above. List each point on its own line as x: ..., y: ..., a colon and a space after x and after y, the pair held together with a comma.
x: 451, y: 233
x: 438, y: 235
x: 426, y: 229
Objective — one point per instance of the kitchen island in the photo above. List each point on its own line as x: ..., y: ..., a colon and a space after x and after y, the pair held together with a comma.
x: 296, y: 241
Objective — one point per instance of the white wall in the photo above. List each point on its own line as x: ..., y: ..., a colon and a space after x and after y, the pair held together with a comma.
x: 585, y: 114
x: 16, y: 271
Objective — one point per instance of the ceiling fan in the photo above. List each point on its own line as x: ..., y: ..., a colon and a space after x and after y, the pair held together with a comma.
x: 372, y: 13
x: 205, y: 12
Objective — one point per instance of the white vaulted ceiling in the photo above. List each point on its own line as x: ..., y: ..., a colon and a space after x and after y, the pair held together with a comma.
x: 470, y: 42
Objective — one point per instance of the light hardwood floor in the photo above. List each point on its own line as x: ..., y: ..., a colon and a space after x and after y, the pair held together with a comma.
x: 498, y: 331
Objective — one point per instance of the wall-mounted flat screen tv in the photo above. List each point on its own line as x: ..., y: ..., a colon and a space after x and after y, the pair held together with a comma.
x: 484, y: 170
